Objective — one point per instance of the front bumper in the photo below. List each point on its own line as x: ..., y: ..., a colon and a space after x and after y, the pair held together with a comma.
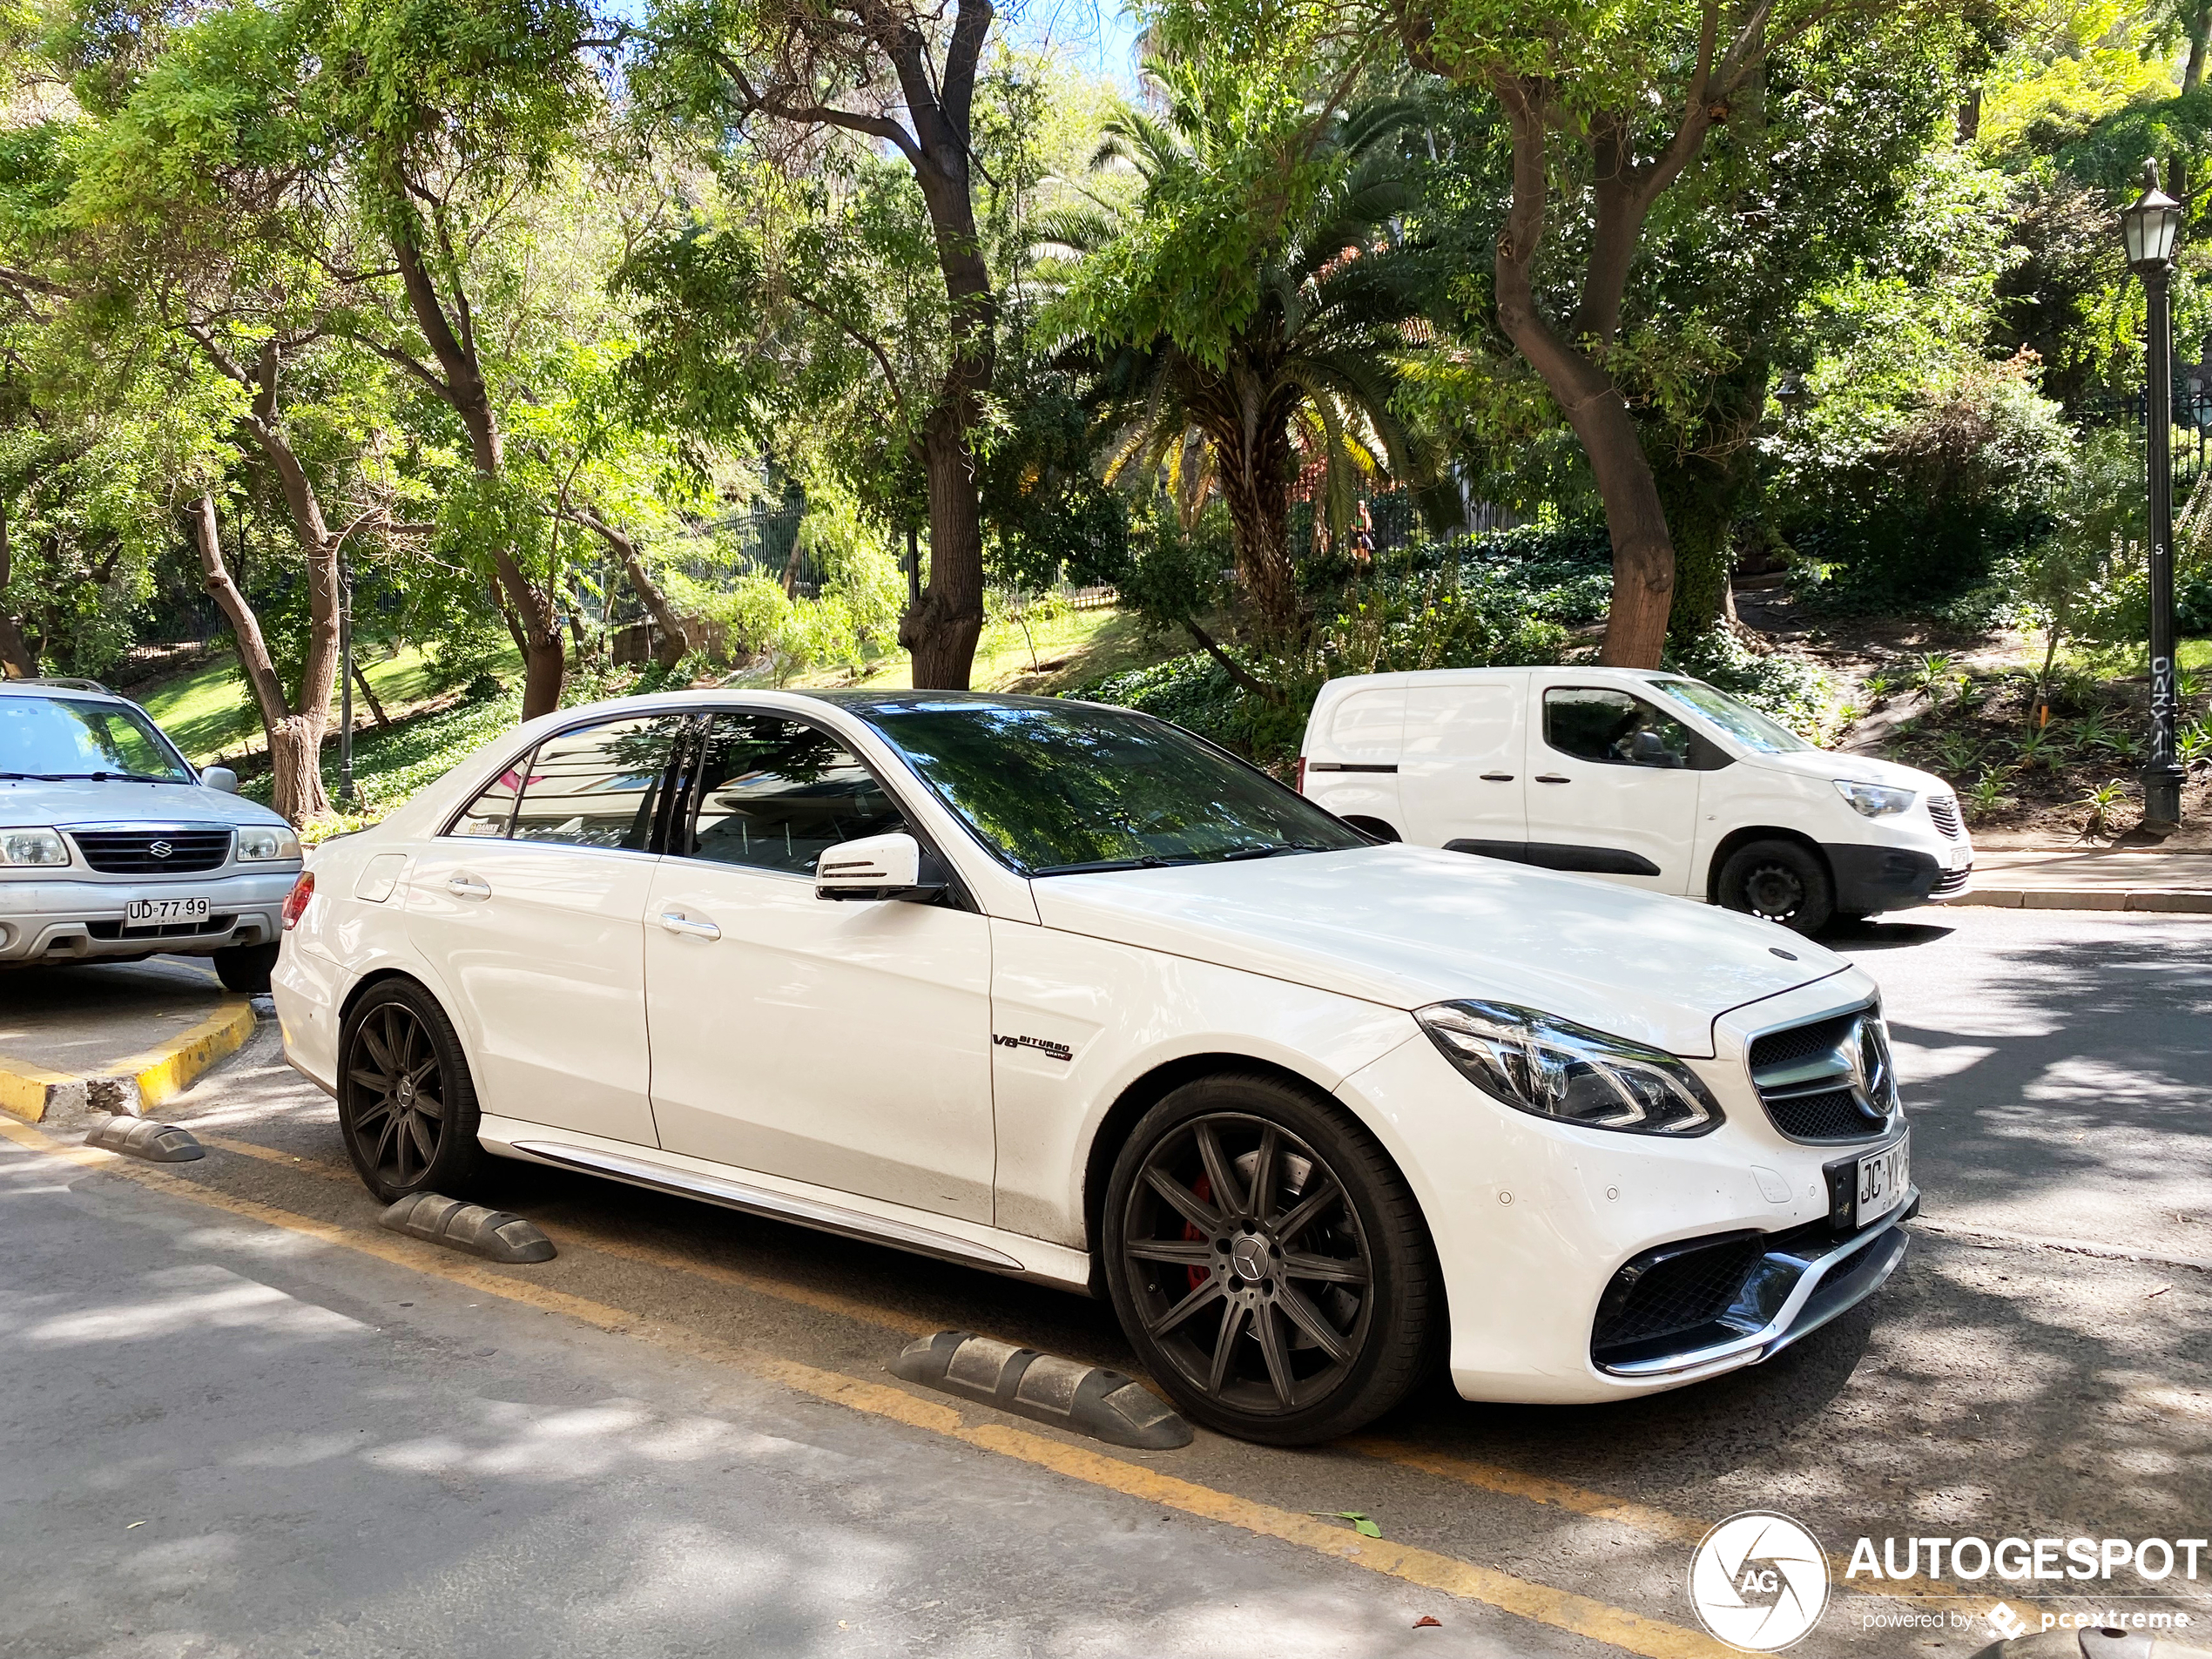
x: 82, y: 920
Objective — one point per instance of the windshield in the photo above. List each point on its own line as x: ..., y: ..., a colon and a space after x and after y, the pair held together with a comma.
x: 1061, y: 789
x: 1740, y: 720
x: 54, y: 738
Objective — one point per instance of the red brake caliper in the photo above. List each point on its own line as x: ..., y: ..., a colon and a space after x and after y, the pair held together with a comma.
x: 1202, y: 1189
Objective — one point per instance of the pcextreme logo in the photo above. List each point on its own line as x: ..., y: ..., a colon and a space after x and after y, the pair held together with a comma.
x: 1759, y: 1582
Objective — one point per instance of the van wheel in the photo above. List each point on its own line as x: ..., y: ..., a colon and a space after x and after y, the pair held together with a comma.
x: 1375, y: 827
x: 1781, y: 881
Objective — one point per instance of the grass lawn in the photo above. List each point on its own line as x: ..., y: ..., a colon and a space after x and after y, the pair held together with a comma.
x: 1053, y: 655
x: 210, y: 712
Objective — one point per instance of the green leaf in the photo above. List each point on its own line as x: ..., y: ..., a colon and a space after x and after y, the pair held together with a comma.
x: 1361, y: 1522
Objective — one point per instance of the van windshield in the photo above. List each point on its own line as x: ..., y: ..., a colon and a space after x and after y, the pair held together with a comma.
x: 56, y: 737
x: 1739, y: 720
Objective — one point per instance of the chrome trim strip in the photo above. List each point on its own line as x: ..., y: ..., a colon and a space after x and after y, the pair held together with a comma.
x: 1778, y: 1333
x: 776, y: 1206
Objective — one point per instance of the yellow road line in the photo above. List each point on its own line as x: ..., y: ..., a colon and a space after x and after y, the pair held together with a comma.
x: 1539, y: 1603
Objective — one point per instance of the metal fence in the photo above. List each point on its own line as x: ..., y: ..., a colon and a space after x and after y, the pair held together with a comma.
x: 2191, y: 424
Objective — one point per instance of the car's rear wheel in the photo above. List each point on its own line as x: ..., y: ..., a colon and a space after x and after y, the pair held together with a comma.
x: 1269, y: 1263
x: 406, y: 1104
x: 1781, y: 881
x: 244, y: 968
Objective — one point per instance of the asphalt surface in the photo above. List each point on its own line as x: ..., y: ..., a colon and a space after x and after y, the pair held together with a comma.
x: 236, y: 1418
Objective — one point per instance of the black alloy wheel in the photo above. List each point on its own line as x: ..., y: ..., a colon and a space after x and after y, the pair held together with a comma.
x: 405, y: 1099
x: 1268, y: 1262
x: 1781, y: 881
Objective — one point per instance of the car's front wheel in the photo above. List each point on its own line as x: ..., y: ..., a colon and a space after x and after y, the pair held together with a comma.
x: 244, y: 968
x: 1269, y: 1263
x: 406, y: 1104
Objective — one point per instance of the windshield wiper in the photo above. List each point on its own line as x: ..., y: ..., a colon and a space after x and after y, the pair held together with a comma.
x: 36, y: 777
x: 1148, y: 861
x: 1268, y: 850
x: 97, y: 776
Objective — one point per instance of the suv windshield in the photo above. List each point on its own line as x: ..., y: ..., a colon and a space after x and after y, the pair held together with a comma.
x: 1741, y: 721
x: 1058, y: 789
x: 54, y: 738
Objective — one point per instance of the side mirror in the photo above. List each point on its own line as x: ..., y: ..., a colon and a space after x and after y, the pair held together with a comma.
x: 220, y: 779
x: 878, y: 866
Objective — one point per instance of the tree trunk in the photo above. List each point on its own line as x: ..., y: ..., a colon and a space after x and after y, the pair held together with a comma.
x: 17, y: 661
x: 941, y: 629
x: 295, y: 742
x: 675, y: 637
x: 531, y: 611
x: 1255, y: 482
x: 1703, y: 493
x: 368, y: 693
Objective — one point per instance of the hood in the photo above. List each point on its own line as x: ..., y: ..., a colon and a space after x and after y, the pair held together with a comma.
x: 1858, y: 769
x: 1408, y: 925
x: 26, y: 803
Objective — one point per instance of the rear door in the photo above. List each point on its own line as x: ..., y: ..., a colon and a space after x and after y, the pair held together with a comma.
x: 1351, y: 765
x: 530, y: 907
x: 1613, y: 785
x: 1460, y: 776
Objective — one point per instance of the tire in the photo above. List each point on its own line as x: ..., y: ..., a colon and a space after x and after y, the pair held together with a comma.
x: 1375, y: 827
x: 406, y: 1105
x: 1781, y: 881
x: 1222, y: 1304
x: 244, y: 968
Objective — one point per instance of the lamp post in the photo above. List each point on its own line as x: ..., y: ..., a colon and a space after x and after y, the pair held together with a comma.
x: 346, y: 683
x: 2150, y: 226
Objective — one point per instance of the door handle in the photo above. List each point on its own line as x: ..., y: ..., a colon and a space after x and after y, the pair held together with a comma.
x: 1552, y: 778
x: 678, y: 923
x: 466, y: 887
x: 1497, y: 776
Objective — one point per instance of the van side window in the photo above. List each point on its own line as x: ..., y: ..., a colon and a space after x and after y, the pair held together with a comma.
x: 1615, y: 729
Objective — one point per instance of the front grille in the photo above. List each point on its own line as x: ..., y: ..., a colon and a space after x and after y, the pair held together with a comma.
x: 1943, y: 811
x: 173, y: 930
x: 1832, y: 1080
x: 148, y: 852
x: 1950, y: 882
x: 1669, y: 1292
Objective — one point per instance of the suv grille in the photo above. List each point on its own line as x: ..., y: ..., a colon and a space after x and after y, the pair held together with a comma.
x: 1832, y: 1080
x: 153, y: 852
x: 1950, y: 882
x: 1943, y: 811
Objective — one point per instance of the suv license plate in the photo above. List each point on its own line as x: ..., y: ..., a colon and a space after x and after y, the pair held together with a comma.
x: 163, y: 913
x: 1884, y: 1179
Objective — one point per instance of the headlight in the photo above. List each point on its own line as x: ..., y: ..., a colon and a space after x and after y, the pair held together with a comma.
x: 33, y: 847
x: 258, y: 843
x: 1872, y: 801
x: 1557, y: 1069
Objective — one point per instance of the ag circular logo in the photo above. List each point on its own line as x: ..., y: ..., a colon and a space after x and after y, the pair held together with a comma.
x: 1759, y: 1582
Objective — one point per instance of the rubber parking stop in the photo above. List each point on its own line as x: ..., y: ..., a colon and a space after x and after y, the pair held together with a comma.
x: 141, y: 1137
x: 1086, y: 1399
x: 493, y: 1234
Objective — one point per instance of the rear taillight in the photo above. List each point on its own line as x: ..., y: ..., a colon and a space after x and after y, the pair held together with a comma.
x: 295, y: 903
x: 1301, y: 774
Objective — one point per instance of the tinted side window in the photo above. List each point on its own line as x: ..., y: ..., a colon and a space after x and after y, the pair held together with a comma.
x: 1614, y: 728
x: 775, y: 794
x: 489, y: 812
x: 596, y: 786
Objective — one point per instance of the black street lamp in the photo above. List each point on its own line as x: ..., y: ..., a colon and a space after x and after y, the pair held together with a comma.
x: 2150, y: 226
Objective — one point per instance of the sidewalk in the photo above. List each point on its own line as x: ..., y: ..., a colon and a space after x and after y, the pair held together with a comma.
x: 2093, y: 879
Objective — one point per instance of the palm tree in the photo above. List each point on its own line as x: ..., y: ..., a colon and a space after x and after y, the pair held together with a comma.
x: 1306, y: 377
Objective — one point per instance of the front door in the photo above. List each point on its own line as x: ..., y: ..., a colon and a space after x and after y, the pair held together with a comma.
x: 530, y: 908
x: 1612, y: 787
x: 846, y: 1045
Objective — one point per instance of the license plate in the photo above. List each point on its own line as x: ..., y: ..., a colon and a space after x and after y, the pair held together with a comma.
x: 1884, y: 1179
x: 163, y: 913
x: 1959, y: 858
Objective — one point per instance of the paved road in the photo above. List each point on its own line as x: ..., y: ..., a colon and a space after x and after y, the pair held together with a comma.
x: 236, y: 1418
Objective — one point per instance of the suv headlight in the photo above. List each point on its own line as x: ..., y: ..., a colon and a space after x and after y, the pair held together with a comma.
x: 1874, y: 800
x: 258, y: 843
x: 33, y: 847
x: 1557, y: 1069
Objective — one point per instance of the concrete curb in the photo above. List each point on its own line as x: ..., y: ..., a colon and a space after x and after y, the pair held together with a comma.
x: 131, y: 1088
x: 2186, y: 899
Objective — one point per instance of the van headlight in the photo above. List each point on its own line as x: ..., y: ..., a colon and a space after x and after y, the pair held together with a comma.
x: 260, y: 843
x: 1557, y: 1069
x: 33, y: 847
x: 1874, y: 800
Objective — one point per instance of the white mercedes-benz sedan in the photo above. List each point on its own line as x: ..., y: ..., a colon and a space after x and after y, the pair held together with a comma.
x: 1064, y: 992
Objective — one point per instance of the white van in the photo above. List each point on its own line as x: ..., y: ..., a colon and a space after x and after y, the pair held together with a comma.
x: 1653, y: 780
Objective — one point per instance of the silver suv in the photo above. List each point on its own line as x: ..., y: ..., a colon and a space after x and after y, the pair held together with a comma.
x: 112, y: 848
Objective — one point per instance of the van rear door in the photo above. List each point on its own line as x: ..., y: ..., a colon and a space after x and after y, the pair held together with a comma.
x: 1460, y: 779
x: 1352, y: 756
